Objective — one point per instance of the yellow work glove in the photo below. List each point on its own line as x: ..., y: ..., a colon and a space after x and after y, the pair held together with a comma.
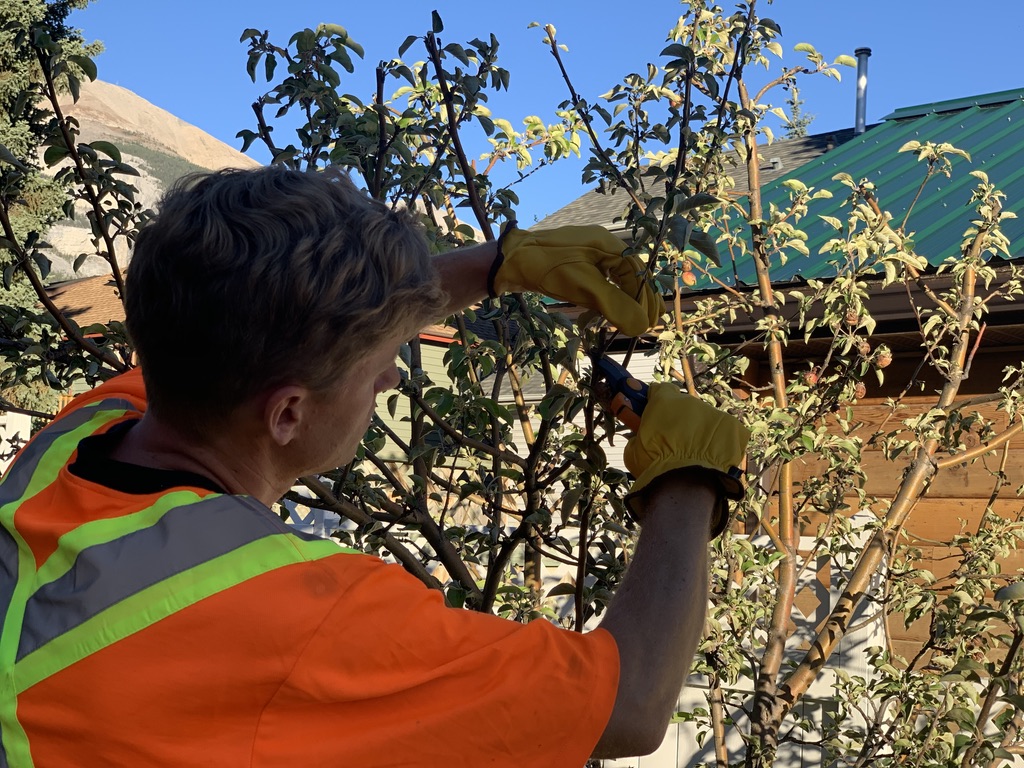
x: 678, y: 431
x: 583, y: 265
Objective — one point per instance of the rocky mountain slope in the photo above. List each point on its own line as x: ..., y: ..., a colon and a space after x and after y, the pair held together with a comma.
x: 159, y: 145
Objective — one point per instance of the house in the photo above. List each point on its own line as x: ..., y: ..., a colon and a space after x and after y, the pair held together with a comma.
x: 990, y: 128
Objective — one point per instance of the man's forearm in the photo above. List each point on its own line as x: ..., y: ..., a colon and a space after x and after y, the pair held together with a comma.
x: 464, y: 274
x: 657, y: 614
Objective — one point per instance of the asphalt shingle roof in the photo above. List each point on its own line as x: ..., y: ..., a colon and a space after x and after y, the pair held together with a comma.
x: 781, y: 157
x: 88, y: 300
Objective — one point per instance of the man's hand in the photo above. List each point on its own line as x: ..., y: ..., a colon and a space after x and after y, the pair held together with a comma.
x: 584, y: 265
x: 681, y: 432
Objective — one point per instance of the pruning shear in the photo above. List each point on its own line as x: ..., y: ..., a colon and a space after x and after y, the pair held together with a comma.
x: 625, y: 396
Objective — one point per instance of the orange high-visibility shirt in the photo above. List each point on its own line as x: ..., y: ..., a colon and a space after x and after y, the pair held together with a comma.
x: 191, y: 628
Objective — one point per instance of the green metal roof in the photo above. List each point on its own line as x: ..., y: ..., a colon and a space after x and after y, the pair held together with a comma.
x: 990, y: 128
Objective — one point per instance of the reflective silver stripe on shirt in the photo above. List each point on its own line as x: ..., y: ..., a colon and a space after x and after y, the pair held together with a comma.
x: 105, y: 574
x: 18, y: 476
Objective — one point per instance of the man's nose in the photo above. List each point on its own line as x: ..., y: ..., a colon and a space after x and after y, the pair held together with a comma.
x: 389, y: 380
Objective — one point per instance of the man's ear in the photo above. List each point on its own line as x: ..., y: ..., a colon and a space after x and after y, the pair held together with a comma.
x: 286, y: 410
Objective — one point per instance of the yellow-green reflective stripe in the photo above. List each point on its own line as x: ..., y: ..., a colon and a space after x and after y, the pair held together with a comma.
x: 145, y: 608
x: 45, y: 473
x: 19, y: 754
x: 16, y: 477
x: 105, y: 574
x: 42, y: 470
x: 55, y: 457
x: 102, y: 531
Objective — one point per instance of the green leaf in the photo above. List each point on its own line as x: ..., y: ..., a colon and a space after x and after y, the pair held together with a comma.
x: 1010, y: 592
x: 248, y: 34
x: 455, y: 596
x: 799, y: 246
x: 497, y: 411
x: 126, y: 169
x: 435, y: 22
x: 890, y: 272
x: 910, y: 146
x: 704, y: 243
x: 406, y: 44
x: 331, y: 30
x: 678, y: 232
x: 355, y: 47
x: 569, y: 502
x: 458, y: 52
x: 8, y: 157
x: 84, y: 63
x: 54, y: 155
x: 694, y: 201
x: 107, y: 149
x: 75, y: 86
x: 561, y: 589
x: 805, y: 48
x: 304, y: 40
x: 250, y: 65
x: 405, y: 72
x: 845, y: 60
x: 676, y: 50
x: 554, y: 401
x: 42, y: 264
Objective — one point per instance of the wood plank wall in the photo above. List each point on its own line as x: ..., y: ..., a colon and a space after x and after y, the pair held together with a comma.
x: 957, y: 496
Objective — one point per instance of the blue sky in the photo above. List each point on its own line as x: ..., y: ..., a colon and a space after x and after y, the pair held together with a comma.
x: 184, y: 55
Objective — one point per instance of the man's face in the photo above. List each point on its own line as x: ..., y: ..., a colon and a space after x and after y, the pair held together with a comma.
x: 343, y: 413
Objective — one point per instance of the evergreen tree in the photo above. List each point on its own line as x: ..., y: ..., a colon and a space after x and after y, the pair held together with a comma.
x: 33, y: 199
x: 796, y: 125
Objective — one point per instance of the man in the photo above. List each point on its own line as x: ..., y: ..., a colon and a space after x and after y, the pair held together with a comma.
x: 158, y: 613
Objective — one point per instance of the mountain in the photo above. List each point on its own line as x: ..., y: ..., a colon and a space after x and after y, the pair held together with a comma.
x: 160, y: 146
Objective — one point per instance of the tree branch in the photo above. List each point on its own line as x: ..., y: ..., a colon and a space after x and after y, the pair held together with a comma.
x: 351, y: 512
x: 37, y: 284
x: 90, y: 192
x: 453, y: 130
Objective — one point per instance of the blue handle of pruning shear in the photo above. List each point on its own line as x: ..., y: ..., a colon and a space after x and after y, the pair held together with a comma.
x: 625, y: 390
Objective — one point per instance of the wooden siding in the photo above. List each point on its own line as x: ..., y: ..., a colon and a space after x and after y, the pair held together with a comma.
x: 432, y: 358
x: 953, y: 504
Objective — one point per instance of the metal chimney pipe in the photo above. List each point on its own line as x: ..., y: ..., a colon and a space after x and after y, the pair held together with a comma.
x: 862, y: 90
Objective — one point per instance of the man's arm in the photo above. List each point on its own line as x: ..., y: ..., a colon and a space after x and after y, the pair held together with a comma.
x: 657, y: 614
x: 464, y: 274
x: 581, y: 265
x: 681, y: 456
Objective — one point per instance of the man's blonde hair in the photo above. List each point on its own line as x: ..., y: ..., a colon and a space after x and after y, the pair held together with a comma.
x: 250, y: 279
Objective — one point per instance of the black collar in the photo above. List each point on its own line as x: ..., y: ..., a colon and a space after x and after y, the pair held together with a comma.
x: 95, y: 465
